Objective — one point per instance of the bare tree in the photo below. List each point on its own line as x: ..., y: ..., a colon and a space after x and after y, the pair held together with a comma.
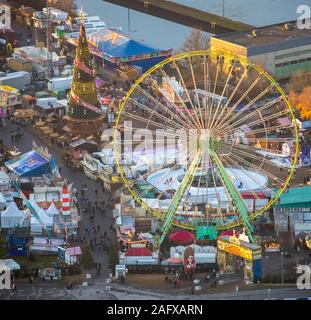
x: 196, y: 40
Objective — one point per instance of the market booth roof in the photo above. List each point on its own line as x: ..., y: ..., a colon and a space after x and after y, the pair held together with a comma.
x: 138, y: 252
x: 29, y: 164
x: 115, y: 47
x: 299, y: 197
x: 115, y: 44
x: 182, y: 237
x: 118, y: 45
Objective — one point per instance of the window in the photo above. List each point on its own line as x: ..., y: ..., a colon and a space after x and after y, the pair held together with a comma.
x: 278, y: 65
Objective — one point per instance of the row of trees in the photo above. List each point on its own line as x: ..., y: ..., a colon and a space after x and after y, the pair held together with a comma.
x: 302, y: 102
x: 299, y: 94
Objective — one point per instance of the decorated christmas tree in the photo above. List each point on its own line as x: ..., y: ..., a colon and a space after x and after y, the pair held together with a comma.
x: 84, y: 112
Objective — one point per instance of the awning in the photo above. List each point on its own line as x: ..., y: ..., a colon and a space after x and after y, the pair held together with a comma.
x: 10, y: 263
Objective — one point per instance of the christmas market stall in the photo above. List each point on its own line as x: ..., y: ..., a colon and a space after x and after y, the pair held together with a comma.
x: 236, y: 254
x: 117, y: 49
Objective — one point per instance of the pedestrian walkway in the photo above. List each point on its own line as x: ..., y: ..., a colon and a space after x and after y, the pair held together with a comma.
x: 101, y: 222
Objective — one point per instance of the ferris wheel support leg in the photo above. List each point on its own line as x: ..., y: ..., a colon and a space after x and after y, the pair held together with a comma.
x: 179, y: 195
x: 235, y: 195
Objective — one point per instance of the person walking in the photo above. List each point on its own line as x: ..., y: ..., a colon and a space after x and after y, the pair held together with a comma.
x: 14, y: 289
x: 68, y: 289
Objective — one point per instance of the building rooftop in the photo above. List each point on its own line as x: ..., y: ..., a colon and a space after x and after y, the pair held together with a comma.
x: 138, y: 252
x: 270, y: 37
x: 299, y: 197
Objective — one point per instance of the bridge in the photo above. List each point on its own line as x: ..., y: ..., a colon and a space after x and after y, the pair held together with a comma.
x: 184, y: 15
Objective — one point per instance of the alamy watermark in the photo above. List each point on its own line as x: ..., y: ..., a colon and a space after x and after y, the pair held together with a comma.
x: 304, y: 280
x: 5, y: 17
x: 304, y: 20
x: 5, y: 277
x: 161, y: 145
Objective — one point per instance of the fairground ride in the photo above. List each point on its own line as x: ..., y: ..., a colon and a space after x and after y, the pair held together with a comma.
x: 227, y: 119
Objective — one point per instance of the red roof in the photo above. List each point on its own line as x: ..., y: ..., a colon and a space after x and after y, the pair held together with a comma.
x: 138, y: 252
x: 182, y: 237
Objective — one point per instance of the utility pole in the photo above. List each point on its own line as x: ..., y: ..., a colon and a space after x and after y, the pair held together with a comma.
x: 282, y: 268
x: 129, y: 20
x: 223, y: 8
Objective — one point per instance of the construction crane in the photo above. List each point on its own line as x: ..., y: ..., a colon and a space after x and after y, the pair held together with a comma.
x: 32, y: 209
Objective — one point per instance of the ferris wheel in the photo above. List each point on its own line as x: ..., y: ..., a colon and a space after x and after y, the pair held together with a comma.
x: 206, y: 138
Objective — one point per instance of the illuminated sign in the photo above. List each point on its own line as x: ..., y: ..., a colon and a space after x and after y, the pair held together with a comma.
x: 237, y: 250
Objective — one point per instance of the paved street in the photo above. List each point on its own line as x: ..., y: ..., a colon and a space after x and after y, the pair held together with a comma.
x: 118, y: 292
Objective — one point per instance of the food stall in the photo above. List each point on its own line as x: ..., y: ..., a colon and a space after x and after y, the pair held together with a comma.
x: 235, y: 254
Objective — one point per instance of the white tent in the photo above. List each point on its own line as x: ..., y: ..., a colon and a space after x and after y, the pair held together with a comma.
x: 2, y: 202
x: 52, y: 210
x: 35, y: 205
x: 35, y: 225
x: 11, y: 216
x: 47, y: 221
x: 4, y: 180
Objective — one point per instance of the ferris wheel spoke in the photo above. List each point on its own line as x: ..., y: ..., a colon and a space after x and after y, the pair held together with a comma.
x: 238, y: 200
x: 236, y: 105
x: 229, y: 160
x: 269, y: 139
x: 256, y: 150
x: 251, y: 103
x: 207, y: 85
x: 164, y: 177
x: 143, y: 176
x: 239, y: 124
x: 196, y: 93
x: 257, y: 168
x: 215, y: 118
x: 180, y: 192
x: 225, y: 109
x: 186, y: 120
x: 174, y: 176
x: 247, y: 153
x: 215, y: 186
x: 213, y: 96
x: 180, y: 111
x: 153, y: 112
x: 199, y: 126
x: 190, y: 118
x: 139, y: 118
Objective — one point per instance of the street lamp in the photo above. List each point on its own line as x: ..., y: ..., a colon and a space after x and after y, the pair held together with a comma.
x: 223, y: 8
x: 282, y: 268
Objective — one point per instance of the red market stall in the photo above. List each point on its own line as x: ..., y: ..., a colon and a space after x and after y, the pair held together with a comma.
x: 182, y: 237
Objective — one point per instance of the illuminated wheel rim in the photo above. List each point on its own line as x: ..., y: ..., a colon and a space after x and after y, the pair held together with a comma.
x: 234, y: 72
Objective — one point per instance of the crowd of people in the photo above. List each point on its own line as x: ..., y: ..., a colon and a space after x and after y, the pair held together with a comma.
x: 92, y: 233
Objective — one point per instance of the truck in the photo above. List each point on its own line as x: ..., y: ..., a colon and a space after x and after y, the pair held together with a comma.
x: 60, y: 84
x: 18, y: 80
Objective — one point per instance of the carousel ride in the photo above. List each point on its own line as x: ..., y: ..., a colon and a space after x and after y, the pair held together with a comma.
x: 195, y: 140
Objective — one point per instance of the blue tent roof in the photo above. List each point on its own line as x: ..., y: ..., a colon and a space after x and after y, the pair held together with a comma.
x: 117, y: 45
x: 29, y: 164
